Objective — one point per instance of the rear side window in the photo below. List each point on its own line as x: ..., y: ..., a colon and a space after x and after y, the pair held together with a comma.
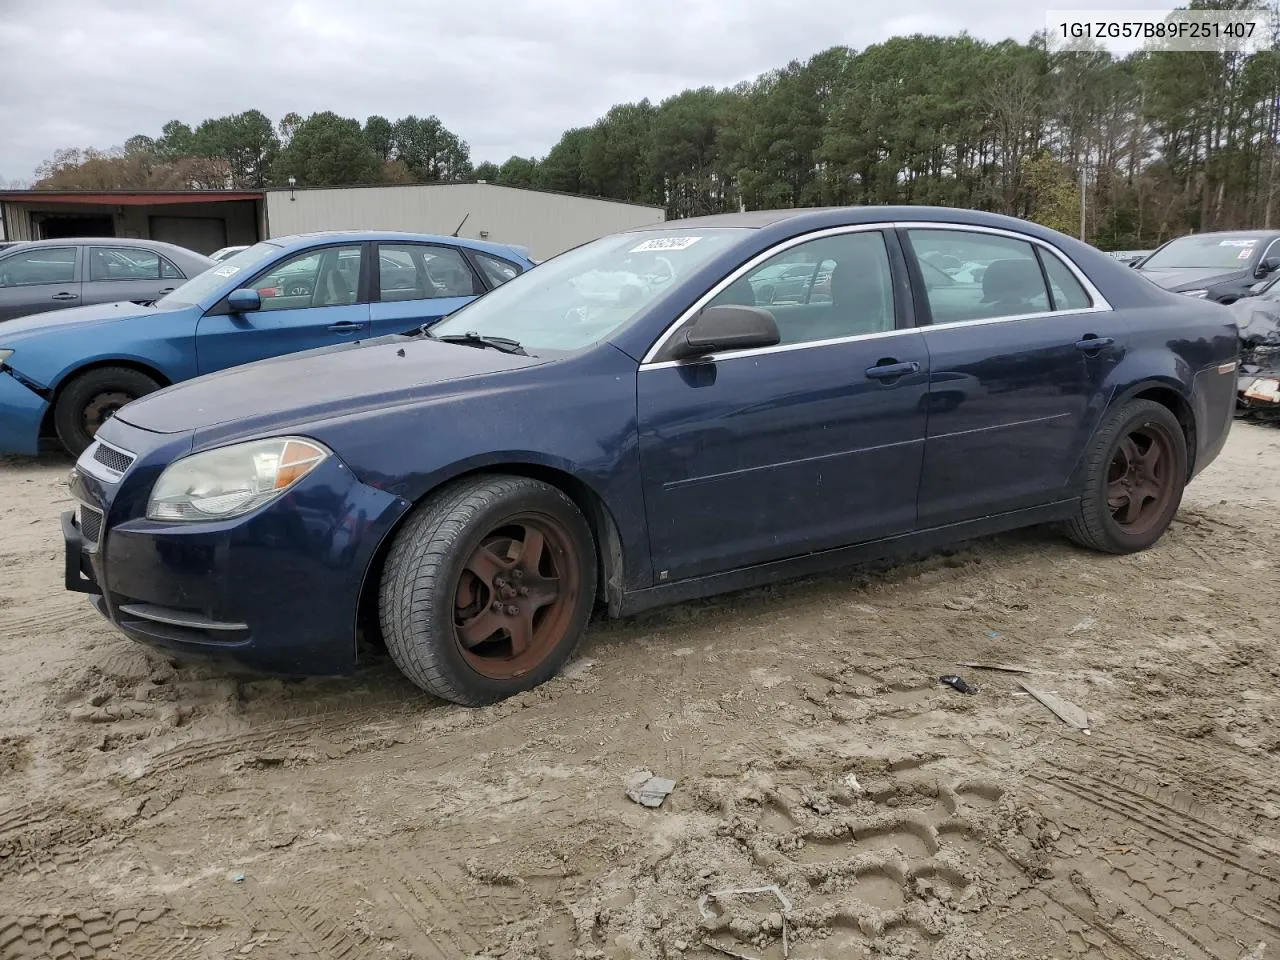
x: 1067, y: 292
x: 978, y: 276
x: 419, y: 272
x: 41, y: 265
x: 496, y: 271
x: 123, y: 263
x: 169, y: 272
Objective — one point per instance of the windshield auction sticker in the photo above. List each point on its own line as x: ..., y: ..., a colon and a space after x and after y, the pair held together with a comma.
x: 1236, y: 243
x: 226, y: 271
x: 665, y: 243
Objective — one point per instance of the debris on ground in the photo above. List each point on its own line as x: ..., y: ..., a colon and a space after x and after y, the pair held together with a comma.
x: 749, y: 892
x: 1065, y: 710
x: 1003, y: 667
x: 957, y: 683
x: 1088, y: 623
x: 647, y: 790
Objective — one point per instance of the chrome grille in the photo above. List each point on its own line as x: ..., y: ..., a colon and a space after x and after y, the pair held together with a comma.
x: 90, y: 523
x: 112, y: 459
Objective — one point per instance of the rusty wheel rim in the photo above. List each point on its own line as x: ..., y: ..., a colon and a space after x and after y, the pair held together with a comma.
x: 516, y: 596
x: 102, y: 408
x: 1141, y: 479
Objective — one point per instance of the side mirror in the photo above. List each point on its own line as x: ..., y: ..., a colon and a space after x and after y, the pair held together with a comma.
x: 1268, y: 267
x: 244, y: 301
x: 727, y: 327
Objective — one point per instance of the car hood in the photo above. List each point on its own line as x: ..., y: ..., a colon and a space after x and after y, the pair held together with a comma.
x: 1192, y: 278
x: 23, y: 328
x: 317, y: 384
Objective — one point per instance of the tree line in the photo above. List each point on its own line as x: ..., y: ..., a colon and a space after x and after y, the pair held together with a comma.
x: 1150, y: 145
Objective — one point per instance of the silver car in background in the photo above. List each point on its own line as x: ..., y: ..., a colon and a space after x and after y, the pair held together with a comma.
x: 42, y: 275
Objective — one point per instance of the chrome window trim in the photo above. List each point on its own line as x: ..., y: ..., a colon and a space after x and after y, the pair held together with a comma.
x: 1100, y: 303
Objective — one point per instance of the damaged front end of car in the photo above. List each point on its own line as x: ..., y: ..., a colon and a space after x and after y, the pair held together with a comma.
x: 1258, y: 382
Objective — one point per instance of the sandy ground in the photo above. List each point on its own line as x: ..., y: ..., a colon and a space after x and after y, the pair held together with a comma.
x: 160, y: 812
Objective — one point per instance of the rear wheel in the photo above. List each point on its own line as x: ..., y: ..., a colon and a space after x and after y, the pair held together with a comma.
x: 488, y: 589
x: 93, y: 398
x: 1135, y: 473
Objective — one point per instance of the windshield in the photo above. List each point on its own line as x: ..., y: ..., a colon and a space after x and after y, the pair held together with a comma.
x: 1212, y: 252
x: 584, y: 295
x: 215, y: 278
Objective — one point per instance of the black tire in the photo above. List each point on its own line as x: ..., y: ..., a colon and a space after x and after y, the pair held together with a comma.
x: 92, y: 398
x: 1112, y: 483
x: 430, y: 596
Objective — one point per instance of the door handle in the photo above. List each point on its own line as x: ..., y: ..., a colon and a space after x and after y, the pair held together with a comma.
x: 346, y: 326
x: 1092, y: 344
x: 66, y: 296
x: 166, y: 290
x: 892, y: 370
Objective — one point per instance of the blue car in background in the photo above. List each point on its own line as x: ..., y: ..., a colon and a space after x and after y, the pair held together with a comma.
x: 65, y: 373
x: 628, y: 425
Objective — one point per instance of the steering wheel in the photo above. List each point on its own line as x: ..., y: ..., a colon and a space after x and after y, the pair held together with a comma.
x: 659, y: 280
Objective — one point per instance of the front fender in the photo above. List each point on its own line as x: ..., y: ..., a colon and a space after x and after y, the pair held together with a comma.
x: 51, y: 359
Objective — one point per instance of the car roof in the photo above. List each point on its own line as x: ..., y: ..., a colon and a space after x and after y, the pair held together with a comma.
x: 170, y: 250
x: 1258, y: 234
x: 299, y: 240
x: 804, y: 218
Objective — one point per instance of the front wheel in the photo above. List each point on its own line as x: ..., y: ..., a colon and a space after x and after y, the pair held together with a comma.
x: 1134, y: 475
x: 93, y: 398
x: 488, y: 588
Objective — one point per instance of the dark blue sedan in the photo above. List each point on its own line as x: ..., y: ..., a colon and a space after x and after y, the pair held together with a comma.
x: 625, y: 426
x: 65, y: 373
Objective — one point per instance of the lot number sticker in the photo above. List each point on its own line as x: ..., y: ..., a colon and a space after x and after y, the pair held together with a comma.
x: 1236, y: 243
x: 226, y: 271
x: 666, y: 243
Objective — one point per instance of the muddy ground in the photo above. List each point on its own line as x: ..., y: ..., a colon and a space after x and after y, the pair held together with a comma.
x: 155, y: 812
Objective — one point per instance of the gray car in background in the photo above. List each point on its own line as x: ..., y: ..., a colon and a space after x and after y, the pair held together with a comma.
x: 42, y: 275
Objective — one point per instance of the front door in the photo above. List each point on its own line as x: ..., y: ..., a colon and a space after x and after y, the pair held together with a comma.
x: 1019, y: 354
x: 39, y: 279
x: 314, y: 299
x: 420, y: 284
x: 770, y: 453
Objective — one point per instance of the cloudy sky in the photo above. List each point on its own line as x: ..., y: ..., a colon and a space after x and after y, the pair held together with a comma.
x: 508, y: 76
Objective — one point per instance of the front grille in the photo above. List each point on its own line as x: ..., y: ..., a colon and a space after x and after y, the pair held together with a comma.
x: 90, y: 523
x: 112, y: 459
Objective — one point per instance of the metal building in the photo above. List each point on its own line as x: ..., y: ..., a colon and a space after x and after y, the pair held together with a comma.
x: 546, y: 223
x: 204, y: 220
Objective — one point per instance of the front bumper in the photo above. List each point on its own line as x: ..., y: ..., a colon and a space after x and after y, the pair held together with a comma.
x: 21, y: 413
x: 277, y: 590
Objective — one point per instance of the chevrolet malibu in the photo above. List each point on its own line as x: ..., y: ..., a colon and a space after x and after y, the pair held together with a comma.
x: 624, y: 426
x: 64, y: 374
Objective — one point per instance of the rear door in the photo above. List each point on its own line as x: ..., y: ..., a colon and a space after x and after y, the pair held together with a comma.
x: 39, y: 279
x: 1020, y: 346
x: 128, y: 273
x: 316, y: 298
x: 419, y: 283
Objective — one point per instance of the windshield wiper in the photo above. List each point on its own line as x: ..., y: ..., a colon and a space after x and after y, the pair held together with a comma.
x: 472, y: 338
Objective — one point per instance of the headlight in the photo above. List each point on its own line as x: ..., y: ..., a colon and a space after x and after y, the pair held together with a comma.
x: 231, y: 481
x: 1194, y: 293
x: 5, y: 355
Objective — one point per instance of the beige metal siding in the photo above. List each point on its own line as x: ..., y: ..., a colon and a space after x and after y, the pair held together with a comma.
x: 546, y: 223
x: 17, y: 224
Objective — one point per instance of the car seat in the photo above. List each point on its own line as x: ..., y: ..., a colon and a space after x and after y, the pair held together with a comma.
x: 1013, y: 286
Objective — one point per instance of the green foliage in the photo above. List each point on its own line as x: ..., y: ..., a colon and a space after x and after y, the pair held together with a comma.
x: 327, y: 150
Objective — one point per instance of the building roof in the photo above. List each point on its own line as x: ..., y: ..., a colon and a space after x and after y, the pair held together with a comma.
x: 127, y: 198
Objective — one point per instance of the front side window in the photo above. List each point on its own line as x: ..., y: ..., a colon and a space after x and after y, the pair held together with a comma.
x: 408, y: 271
x: 978, y: 276
x: 586, y: 294
x: 824, y: 289
x: 41, y: 265
x: 123, y: 263
x: 496, y: 271
x: 319, y: 278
